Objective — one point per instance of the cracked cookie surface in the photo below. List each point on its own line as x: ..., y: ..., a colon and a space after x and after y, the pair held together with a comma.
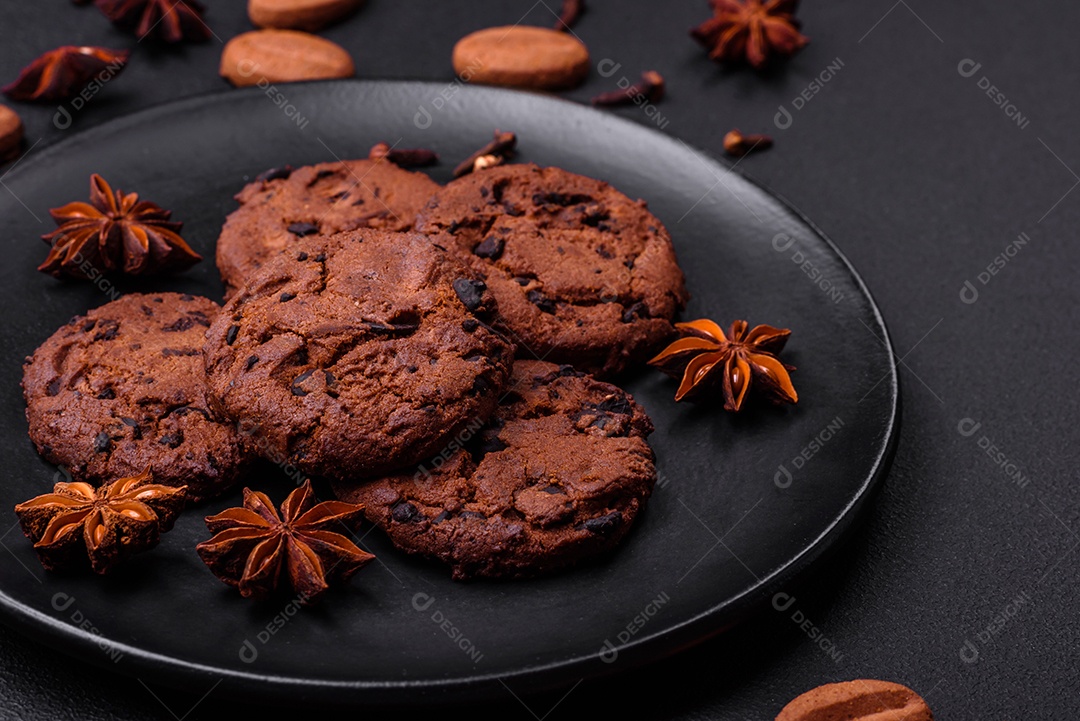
x: 284, y: 204
x: 582, y: 273
x: 558, y: 474
x: 122, y: 388
x: 357, y: 354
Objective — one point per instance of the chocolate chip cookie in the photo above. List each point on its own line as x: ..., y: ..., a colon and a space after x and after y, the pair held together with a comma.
x: 122, y: 389
x: 582, y: 273
x: 558, y: 474
x: 359, y: 353
x: 283, y: 205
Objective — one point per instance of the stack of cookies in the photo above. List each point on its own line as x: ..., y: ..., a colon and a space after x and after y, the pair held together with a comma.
x: 438, y: 354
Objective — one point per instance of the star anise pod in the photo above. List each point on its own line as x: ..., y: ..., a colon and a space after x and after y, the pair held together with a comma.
x: 172, y: 21
x: 63, y: 72
x: 754, y: 31
x: 113, y: 232
x: 257, y: 550
x: 106, y: 524
x: 741, y: 358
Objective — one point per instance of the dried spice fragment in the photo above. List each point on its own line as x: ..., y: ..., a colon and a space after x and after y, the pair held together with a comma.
x: 738, y: 145
x: 571, y: 11
x: 61, y: 73
x: 752, y: 31
x: 171, y: 21
x: 258, y: 550
x: 496, y: 152
x: 77, y: 522
x: 742, y: 358
x: 650, y: 87
x: 114, y: 232
x: 404, y: 157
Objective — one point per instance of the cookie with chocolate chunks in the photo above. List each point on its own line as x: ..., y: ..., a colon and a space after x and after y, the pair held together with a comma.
x: 122, y: 389
x: 284, y: 204
x: 582, y: 273
x: 557, y: 475
x: 358, y: 354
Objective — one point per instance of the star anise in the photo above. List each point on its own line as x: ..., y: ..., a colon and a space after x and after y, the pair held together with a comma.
x: 63, y: 72
x: 742, y: 358
x: 113, y: 232
x: 754, y: 31
x: 257, y: 550
x: 169, y: 20
x: 105, y: 525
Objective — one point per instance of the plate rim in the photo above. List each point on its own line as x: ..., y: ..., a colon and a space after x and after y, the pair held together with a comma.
x: 85, y: 646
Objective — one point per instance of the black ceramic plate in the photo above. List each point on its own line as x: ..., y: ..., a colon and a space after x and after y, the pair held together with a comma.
x: 744, y: 503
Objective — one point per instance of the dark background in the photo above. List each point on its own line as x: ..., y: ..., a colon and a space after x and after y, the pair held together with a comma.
x: 922, y: 180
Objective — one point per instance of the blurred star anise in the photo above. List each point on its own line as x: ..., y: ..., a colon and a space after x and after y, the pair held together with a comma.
x: 754, y: 31
x: 112, y: 232
x: 257, y: 550
x: 106, y: 525
x: 741, y: 358
x: 63, y: 72
x: 172, y: 21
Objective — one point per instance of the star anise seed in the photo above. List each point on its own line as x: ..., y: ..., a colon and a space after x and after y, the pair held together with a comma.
x: 171, y: 21
x: 106, y: 525
x: 742, y: 358
x: 753, y: 31
x: 114, y: 232
x: 257, y: 550
x: 63, y: 72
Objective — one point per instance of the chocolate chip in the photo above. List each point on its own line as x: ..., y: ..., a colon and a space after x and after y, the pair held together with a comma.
x: 604, y: 525
x: 172, y: 440
x: 110, y: 331
x: 251, y: 361
x: 286, y: 297
x: 522, y: 281
x: 296, y: 389
x: 181, y: 324
x: 545, y: 304
x: 552, y: 490
x: 136, y: 432
x: 615, y: 404
x: 440, y: 518
x: 230, y: 335
x: 168, y: 352
x: 512, y: 210
x: 320, y: 258
x: 453, y: 227
x: 89, y: 326
x: 187, y: 297
x: 403, y: 512
x: 490, y: 247
x: 275, y: 174
x: 199, y: 317
x: 147, y: 310
x: 106, y: 395
x: 637, y: 310
x: 413, y: 369
x: 561, y: 199
x: 302, y: 257
x: 473, y: 514
x: 604, y: 253
x: 470, y: 292
x: 53, y: 388
x: 302, y: 229
x: 102, y: 442
x: 468, y: 325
